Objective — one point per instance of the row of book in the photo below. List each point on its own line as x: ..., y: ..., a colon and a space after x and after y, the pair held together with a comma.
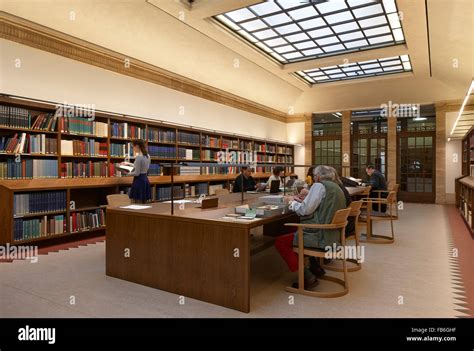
x: 154, y: 170
x: 88, y: 169
x: 25, y: 143
x: 195, y: 189
x: 14, y: 117
x: 230, y: 143
x: 284, y: 159
x: 263, y: 169
x: 127, y: 131
x: 164, y: 193
x: 284, y: 150
x: 28, y: 169
x: 85, y: 147
x: 209, y: 155
x: 189, y: 154
x: 162, y: 151
x: 161, y: 136
x: 82, y: 125
x: 219, y: 170
x: 188, y: 138
x: 39, y: 202
x: 210, y: 141
x: 26, y: 229
x: 46, y: 122
x: 259, y: 147
x: 82, y: 221
x: 189, y: 170
x: 121, y: 150
x: 245, y: 145
x: 271, y: 148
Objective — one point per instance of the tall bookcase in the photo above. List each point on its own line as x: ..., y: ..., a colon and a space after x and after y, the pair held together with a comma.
x: 80, y: 168
x: 465, y: 183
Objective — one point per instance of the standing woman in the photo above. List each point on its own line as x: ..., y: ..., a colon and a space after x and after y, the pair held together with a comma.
x: 141, y: 189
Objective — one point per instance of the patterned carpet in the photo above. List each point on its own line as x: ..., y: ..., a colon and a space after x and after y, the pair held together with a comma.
x: 414, y: 277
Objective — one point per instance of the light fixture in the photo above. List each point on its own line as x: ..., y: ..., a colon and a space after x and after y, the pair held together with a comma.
x: 417, y: 119
x: 466, y: 98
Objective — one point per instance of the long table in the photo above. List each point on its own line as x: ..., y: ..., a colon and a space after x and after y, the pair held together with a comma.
x: 194, y: 253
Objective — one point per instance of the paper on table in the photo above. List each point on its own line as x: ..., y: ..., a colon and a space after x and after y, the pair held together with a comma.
x: 135, y: 207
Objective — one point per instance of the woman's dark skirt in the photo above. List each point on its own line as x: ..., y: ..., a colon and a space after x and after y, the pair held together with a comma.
x: 141, y: 189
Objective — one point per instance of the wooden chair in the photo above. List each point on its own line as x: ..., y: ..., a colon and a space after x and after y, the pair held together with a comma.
x: 220, y: 192
x: 355, y: 207
x: 390, y: 187
x: 339, y: 222
x: 372, y: 216
x: 117, y: 200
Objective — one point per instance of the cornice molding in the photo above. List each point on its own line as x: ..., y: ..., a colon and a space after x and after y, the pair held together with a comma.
x: 31, y: 34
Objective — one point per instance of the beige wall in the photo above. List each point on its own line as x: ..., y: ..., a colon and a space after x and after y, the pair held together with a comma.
x: 54, y: 78
x: 295, y: 132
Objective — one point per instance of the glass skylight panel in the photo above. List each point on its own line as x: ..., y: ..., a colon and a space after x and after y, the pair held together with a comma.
x: 356, y: 70
x: 336, y: 27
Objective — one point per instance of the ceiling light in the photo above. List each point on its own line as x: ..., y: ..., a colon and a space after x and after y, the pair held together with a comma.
x: 466, y: 98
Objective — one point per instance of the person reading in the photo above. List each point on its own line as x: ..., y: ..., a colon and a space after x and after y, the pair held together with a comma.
x: 141, y: 189
x: 377, y: 181
x: 244, y: 181
x: 275, y: 176
x: 324, y: 198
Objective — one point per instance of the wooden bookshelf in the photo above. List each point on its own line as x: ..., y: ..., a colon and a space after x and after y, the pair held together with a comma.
x: 85, y: 194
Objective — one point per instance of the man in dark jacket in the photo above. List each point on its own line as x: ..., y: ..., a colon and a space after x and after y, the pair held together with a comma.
x: 377, y: 182
x: 244, y: 179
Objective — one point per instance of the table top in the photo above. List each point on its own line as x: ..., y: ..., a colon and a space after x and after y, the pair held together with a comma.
x: 227, y: 203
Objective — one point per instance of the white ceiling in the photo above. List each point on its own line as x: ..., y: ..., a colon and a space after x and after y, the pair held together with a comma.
x: 168, y: 34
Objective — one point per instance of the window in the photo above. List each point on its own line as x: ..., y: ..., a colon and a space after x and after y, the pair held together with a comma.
x: 293, y: 31
x: 357, y: 70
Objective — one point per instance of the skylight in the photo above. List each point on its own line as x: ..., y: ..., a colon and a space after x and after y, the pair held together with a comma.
x: 364, y: 69
x: 297, y: 30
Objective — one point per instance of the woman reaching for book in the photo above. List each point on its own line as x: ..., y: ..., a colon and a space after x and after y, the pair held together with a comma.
x: 141, y: 189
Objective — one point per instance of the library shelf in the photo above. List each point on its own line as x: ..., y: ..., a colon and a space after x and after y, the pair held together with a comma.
x: 90, y: 194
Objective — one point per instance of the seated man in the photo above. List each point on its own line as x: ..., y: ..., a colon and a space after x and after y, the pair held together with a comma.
x: 324, y: 198
x: 245, y: 179
x: 377, y: 182
x: 275, y: 176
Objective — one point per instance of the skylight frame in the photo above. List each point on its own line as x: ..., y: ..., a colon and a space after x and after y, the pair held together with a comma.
x: 292, y: 27
x: 350, y: 72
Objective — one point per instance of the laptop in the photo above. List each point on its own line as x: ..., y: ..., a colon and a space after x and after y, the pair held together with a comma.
x: 290, y: 183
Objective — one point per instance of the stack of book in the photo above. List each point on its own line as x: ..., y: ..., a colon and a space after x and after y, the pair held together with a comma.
x: 85, y: 147
x: 26, y: 229
x: 14, y: 117
x: 39, y: 202
x: 29, y: 169
x: 83, y: 221
x: 161, y: 136
x: 162, y: 151
x: 188, y: 138
x: 45, y: 121
x: 88, y: 169
x: 81, y: 125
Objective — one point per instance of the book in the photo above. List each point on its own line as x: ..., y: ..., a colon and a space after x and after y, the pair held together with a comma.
x: 125, y: 166
x: 38, y: 202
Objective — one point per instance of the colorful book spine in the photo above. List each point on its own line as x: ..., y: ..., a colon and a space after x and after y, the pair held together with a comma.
x: 188, y: 138
x: 210, y: 141
x: 87, y: 220
x: 121, y: 150
x: 15, y: 117
x: 28, y: 169
x: 162, y: 151
x: 161, y: 136
x: 27, y: 229
x: 90, y: 169
x: 164, y: 193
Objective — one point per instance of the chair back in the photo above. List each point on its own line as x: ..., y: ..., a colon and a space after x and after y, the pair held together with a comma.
x: 391, y: 197
x: 355, y: 207
x: 366, y: 192
x: 222, y: 192
x: 340, y: 217
x: 394, y: 187
x: 117, y: 200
